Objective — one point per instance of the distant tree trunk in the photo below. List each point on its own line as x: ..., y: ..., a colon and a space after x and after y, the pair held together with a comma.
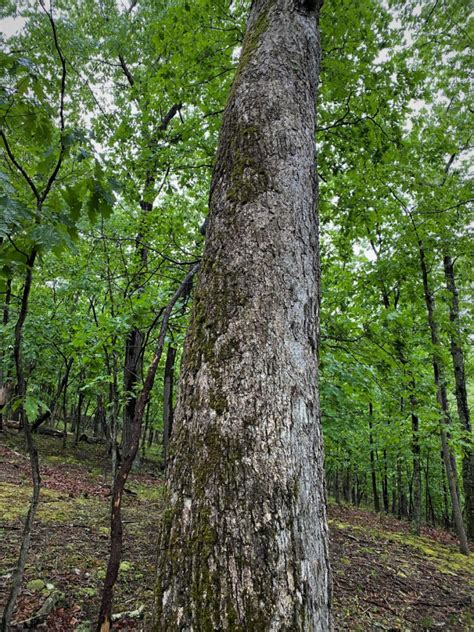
x: 385, y: 496
x: 446, y: 512
x: 429, y: 507
x: 373, y: 473
x: 114, y: 415
x: 99, y: 418
x: 401, y: 497
x: 4, y: 373
x: 394, y: 497
x: 78, y: 422
x: 354, y: 487
x: 55, y: 398
x: 151, y: 436
x: 442, y: 397
x: 337, y: 489
x: 457, y: 355
x: 145, y: 430
x: 243, y: 544
x: 168, y: 400
x: 135, y: 340
x: 416, y: 496
x: 347, y: 485
x: 132, y: 370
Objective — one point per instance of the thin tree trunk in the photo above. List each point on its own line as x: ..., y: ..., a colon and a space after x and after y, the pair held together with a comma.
x: 132, y: 370
x: 114, y: 414
x: 457, y: 355
x: 430, y: 511
x: 385, y: 495
x: 145, y: 430
x: 373, y: 473
x: 244, y: 543
x: 99, y: 418
x: 337, y: 494
x: 168, y: 401
x: 354, y: 488
x: 4, y: 373
x: 446, y: 520
x: 49, y: 413
x: 116, y: 531
x: 80, y: 402
x: 135, y: 340
x: 442, y: 397
x: 24, y: 424
x: 347, y: 485
x: 416, y: 496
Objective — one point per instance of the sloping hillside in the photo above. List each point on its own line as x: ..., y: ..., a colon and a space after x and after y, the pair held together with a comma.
x: 384, y: 577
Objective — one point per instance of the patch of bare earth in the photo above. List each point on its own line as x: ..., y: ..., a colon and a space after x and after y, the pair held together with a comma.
x: 387, y: 579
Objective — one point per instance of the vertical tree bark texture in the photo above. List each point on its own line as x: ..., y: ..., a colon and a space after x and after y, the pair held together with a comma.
x: 244, y: 542
x: 457, y: 355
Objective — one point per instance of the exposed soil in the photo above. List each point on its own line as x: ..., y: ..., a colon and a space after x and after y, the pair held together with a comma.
x: 384, y: 577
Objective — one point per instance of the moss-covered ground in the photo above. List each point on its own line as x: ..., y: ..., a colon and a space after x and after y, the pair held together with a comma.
x: 384, y: 577
x: 71, y: 533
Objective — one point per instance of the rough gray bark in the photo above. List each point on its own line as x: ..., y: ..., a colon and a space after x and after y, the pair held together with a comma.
x: 457, y: 356
x: 244, y: 544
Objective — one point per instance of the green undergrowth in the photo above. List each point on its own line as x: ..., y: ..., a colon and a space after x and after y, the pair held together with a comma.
x: 70, y: 536
x: 53, y: 506
x: 147, y: 493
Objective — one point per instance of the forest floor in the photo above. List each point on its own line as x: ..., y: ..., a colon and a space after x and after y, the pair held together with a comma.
x: 384, y: 577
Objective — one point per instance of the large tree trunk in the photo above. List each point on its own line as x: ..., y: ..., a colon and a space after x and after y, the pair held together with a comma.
x: 457, y: 355
x: 244, y: 541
